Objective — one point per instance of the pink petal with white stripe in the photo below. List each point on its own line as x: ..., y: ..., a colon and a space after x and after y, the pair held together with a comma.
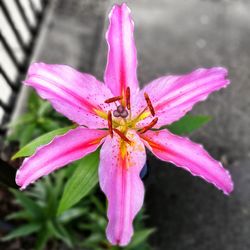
x: 61, y: 151
x: 188, y: 155
x: 122, y: 59
x: 119, y: 177
x: 173, y: 96
x: 76, y: 95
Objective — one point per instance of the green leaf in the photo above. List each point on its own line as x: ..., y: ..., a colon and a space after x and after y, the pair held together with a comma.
x: 42, y: 239
x: 28, y: 203
x: 22, y: 231
x: 59, y: 232
x: 30, y: 148
x: 81, y: 182
x: 43, y: 109
x: 71, y: 214
x: 27, y: 134
x: 139, y: 237
x: 188, y: 124
x: 22, y: 120
x: 20, y: 215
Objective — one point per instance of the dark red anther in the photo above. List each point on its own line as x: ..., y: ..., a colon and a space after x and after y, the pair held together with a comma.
x: 113, y: 99
x: 149, y: 103
x: 128, y: 98
x: 149, y: 126
x: 110, y: 123
x: 122, y: 136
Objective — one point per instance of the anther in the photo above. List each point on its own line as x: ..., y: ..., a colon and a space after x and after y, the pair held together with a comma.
x: 113, y: 99
x: 128, y: 98
x: 122, y: 136
x: 149, y: 103
x: 149, y: 126
x: 110, y: 123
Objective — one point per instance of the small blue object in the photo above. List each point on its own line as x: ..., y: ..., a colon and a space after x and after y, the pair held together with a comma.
x: 144, y: 171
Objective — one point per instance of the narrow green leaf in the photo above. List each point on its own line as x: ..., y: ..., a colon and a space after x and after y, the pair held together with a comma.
x: 28, y: 203
x: 22, y: 231
x: 139, y: 237
x: 22, y: 120
x: 20, y: 215
x: 30, y: 148
x: 71, y: 214
x: 188, y: 124
x: 42, y: 239
x: 59, y: 232
x: 81, y: 182
x: 27, y: 134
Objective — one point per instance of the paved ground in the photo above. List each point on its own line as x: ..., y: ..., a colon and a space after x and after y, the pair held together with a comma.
x: 177, y: 37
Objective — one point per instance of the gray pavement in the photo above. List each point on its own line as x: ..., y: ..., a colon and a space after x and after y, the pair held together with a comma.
x: 177, y: 37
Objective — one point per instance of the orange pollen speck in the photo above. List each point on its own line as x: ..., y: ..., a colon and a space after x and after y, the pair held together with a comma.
x: 110, y: 123
x: 149, y: 126
x: 128, y: 98
x: 113, y: 99
x: 122, y: 136
x: 149, y: 103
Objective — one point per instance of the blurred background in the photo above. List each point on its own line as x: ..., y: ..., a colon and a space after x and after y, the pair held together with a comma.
x: 171, y: 37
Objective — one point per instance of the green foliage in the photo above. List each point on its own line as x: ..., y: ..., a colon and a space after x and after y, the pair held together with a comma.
x: 83, y: 180
x: 39, y: 212
x: 23, y: 231
x: 31, y: 147
x: 39, y: 118
x: 39, y: 216
x: 188, y: 124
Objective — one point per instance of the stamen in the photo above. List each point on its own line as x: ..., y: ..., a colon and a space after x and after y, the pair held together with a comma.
x: 149, y: 103
x: 128, y: 98
x: 113, y: 99
x: 110, y: 123
x: 149, y: 126
x: 122, y: 136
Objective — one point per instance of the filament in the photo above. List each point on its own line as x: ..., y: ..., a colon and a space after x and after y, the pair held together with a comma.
x: 149, y: 126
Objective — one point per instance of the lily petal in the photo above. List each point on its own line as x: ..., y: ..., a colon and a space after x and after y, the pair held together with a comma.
x: 122, y: 60
x: 62, y: 150
x: 188, y: 155
x: 76, y: 95
x: 173, y: 96
x: 119, y: 176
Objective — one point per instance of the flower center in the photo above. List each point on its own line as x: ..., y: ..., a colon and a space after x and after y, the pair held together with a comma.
x: 120, y: 119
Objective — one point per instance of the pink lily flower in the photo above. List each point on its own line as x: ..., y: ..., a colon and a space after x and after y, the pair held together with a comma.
x: 120, y: 117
